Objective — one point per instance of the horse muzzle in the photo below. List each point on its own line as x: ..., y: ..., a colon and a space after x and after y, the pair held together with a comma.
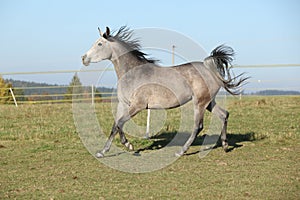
x: 85, y: 60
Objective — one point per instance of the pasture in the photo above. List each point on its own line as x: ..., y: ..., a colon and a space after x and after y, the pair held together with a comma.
x: 42, y: 157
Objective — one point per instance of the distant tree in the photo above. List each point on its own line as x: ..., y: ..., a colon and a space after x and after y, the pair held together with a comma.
x: 32, y: 97
x: 97, y: 95
x: 19, y: 94
x: 40, y: 97
x: 276, y: 92
x: 75, y: 88
x: 5, y: 94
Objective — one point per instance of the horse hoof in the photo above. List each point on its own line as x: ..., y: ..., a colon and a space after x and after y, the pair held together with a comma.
x: 99, y: 155
x: 225, y: 146
x: 178, y: 154
x: 129, y: 146
x: 226, y: 150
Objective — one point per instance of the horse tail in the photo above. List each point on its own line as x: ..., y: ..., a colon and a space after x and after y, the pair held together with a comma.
x: 219, y: 62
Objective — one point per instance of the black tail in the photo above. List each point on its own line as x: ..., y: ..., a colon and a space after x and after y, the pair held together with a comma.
x: 220, y: 62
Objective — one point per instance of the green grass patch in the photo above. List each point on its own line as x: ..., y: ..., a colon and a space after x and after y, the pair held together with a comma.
x: 42, y: 157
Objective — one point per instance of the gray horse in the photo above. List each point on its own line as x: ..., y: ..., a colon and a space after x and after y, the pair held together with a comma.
x: 142, y: 84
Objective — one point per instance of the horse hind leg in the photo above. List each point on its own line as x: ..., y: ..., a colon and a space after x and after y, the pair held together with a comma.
x: 224, y: 133
x: 198, y: 126
x: 223, y: 115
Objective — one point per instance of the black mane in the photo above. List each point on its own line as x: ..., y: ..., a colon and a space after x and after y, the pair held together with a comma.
x: 124, y: 36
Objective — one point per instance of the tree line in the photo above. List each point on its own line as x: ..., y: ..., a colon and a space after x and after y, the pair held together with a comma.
x: 45, y: 92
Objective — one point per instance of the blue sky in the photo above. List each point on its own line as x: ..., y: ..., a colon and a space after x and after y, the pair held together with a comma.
x: 52, y: 35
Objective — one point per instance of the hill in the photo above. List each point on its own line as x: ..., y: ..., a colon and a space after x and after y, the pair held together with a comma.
x: 276, y: 92
x: 30, y: 88
x: 38, y: 88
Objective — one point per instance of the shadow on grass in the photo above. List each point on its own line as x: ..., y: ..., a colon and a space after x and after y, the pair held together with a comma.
x: 159, y: 141
x: 163, y: 139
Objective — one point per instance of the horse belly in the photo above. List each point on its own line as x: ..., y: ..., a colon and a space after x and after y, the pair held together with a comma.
x: 156, y: 96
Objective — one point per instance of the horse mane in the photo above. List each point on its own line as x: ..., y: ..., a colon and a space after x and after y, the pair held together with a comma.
x: 125, y: 36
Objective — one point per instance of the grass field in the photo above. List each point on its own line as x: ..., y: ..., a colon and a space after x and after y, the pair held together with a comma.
x: 42, y: 157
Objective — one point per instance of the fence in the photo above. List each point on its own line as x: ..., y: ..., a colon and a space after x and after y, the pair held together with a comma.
x: 92, y: 94
x: 88, y: 94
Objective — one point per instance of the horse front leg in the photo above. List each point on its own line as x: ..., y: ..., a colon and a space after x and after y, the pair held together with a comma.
x: 114, y: 131
x: 123, y: 115
x: 124, y: 141
x: 134, y: 108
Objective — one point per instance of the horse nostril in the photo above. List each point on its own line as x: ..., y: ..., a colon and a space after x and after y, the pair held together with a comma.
x: 83, y: 57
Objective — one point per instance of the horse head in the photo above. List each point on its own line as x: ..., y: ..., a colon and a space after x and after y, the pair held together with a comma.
x: 101, y: 49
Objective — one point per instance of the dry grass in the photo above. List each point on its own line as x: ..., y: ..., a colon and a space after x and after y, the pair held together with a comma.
x: 42, y: 157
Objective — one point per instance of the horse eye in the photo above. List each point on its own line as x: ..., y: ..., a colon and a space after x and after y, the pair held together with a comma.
x: 99, y: 44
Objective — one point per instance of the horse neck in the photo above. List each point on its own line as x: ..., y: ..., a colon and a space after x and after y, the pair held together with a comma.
x: 125, y: 62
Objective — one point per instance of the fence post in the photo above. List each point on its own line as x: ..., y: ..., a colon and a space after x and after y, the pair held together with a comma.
x: 148, y: 124
x: 12, y: 94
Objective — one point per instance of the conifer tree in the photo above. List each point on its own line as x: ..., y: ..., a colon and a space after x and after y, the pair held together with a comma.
x: 75, y: 88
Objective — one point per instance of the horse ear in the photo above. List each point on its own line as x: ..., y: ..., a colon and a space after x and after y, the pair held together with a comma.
x: 100, y: 32
x: 107, y: 32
